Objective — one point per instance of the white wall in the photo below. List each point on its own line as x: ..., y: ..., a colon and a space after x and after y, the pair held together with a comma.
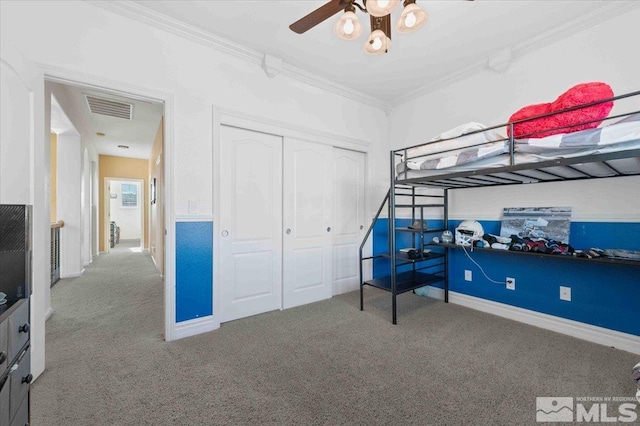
x: 78, y: 126
x: 86, y: 39
x: 69, y: 203
x: 127, y: 218
x: 86, y: 207
x: 606, y: 52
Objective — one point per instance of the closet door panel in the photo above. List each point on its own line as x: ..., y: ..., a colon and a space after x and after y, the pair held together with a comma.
x: 250, y: 228
x: 307, y: 211
x: 348, y: 181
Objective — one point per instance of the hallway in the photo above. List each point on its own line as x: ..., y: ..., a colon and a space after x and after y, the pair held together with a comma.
x: 126, y: 246
x: 103, y: 322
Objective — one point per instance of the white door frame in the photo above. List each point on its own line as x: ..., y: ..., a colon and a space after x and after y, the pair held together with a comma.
x: 227, y: 117
x: 65, y: 76
x: 107, y: 208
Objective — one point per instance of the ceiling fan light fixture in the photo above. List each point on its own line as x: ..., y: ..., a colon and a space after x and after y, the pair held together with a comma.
x: 348, y: 27
x: 381, y: 8
x: 411, y: 19
x: 377, y: 43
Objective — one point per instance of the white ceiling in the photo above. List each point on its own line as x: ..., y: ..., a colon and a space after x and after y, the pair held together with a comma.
x: 459, y: 37
x: 458, y: 34
x: 138, y: 133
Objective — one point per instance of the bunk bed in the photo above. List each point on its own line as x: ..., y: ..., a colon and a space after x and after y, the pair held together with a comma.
x: 479, y: 156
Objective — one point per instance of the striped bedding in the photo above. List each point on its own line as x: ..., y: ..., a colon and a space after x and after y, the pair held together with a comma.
x: 624, y: 134
x: 622, y: 131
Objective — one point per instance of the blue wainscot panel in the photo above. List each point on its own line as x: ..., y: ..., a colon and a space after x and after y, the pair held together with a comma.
x: 602, y: 295
x: 194, y: 270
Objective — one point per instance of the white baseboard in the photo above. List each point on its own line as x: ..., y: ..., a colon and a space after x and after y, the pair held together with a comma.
x: 72, y: 274
x: 345, y: 289
x: 591, y: 333
x: 195, y: 326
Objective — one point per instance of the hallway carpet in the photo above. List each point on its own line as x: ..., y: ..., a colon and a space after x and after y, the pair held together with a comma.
x: 322, y: 364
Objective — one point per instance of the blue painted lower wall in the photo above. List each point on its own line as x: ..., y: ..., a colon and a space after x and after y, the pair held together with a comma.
x: 602, y: 295
x: 194, y: 270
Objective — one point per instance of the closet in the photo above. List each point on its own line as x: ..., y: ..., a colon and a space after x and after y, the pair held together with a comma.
x: 291, y: 218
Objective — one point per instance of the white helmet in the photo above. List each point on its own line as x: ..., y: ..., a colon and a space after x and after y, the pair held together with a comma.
x: 469, y: 231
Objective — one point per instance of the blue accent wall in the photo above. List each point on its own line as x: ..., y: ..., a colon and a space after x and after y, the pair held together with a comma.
x: 601, y: 295
x: 194, y: 270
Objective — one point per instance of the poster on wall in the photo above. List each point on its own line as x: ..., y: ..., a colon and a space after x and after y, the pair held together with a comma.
x: 550, y: 223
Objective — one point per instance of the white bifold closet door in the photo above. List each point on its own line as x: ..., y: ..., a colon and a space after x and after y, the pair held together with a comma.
x: 284, y: 203
x: 348, y: 218
x: 250, y: 224
x: 307, y: 216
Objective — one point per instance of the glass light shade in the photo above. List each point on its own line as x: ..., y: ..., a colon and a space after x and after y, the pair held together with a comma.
x: 380, y: 8
x: 378, y: 42
x: 411, y: 19
x: 348, y: 27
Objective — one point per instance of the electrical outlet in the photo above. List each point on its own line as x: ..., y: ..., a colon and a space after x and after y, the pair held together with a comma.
x: 565, y: 293
x: 511, y: 283
x: 467, y: 275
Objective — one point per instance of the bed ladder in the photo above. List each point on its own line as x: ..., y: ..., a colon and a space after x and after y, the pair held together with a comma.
x: 410, y: 271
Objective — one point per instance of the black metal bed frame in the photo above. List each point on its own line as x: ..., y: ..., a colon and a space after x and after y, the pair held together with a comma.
x: 512, y: 174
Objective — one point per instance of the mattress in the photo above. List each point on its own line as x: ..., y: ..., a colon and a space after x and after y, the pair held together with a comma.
x: 619, y: 136
x: 464, y: 144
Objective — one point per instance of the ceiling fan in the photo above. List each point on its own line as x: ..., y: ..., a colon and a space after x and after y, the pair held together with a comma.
x: 349, y: 28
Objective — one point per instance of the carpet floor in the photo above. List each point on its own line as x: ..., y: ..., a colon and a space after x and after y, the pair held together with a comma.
x: 325, y: 363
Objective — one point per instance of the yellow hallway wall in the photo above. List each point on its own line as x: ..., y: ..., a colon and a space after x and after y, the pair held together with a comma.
x: 124, y: 168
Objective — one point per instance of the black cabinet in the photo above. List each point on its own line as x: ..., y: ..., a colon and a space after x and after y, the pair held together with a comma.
x: 15, y: 376
x: 15, y: 330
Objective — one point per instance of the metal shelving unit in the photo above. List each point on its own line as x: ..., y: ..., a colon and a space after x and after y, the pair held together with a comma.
x: 425, y: 268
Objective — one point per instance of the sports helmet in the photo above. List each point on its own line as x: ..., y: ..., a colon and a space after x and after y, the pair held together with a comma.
x: 468, y: 231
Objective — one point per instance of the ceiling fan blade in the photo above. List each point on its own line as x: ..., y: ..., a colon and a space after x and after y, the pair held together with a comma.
x: 320, y: 14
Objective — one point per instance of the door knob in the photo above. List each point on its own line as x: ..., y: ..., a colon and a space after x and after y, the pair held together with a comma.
x: 3, y: 357
x: 225, y: 233
x: 27, y: 379
x: 361, y: 227
x: 328, y: 229
x: 23, y: 328
x: 288, y: 231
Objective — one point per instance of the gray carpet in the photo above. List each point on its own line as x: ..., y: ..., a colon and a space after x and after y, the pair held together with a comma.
x: 324, y: 363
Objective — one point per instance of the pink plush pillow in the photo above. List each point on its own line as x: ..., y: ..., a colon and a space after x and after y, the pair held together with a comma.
x: 580, y: 94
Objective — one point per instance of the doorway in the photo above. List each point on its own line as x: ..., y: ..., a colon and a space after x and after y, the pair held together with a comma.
x: 124, y: 214
x: 131, y: 203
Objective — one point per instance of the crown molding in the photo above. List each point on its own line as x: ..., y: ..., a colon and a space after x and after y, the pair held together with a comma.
x: 331, y: 86
x: 603, y: 13
x: 145, y: 15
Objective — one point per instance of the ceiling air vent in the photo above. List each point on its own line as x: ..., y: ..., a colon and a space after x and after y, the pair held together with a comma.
x: 109, y: 107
